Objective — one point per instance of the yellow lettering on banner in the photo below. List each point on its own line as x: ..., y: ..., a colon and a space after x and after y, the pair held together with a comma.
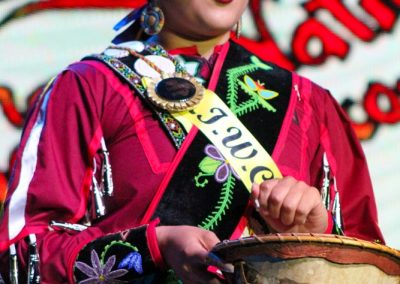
x: 239, y: 147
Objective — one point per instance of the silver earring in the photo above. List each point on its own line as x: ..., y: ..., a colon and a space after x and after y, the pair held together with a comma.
x: 238, y: 30
x: 152, y: 18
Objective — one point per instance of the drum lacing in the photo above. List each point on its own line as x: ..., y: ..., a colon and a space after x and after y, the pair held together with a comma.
x: 242, y: 273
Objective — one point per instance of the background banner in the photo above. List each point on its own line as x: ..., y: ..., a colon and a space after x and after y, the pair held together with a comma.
x: 350, y: 47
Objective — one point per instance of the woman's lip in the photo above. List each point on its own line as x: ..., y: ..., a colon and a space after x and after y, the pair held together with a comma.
x: 224, y: 1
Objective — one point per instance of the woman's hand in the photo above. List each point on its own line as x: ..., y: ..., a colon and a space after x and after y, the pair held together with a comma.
x: 185, y: 250
x: 292, y: 206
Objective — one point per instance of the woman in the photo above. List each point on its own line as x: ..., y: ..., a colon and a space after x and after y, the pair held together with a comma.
x: 69, y: 220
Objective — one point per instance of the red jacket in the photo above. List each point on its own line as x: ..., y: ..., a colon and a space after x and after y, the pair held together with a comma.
x: 54, y: 166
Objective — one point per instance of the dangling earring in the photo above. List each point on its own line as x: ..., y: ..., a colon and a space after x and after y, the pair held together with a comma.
x: 152, y: 18
x: 238, y: 30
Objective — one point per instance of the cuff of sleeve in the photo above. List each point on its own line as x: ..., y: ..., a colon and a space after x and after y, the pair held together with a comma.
x: 92, y: 235
x: 152, y: 244
x: 329, y: 228
x: 124, y: 256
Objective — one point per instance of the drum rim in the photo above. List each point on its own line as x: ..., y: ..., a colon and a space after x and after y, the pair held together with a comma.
x: 308, y: 238
x: 360, y: 251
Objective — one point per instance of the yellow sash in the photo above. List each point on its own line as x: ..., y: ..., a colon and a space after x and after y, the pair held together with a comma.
x: 239, y: 147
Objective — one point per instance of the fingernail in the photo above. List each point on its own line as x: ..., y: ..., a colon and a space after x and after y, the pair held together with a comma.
x: 213, y: 259
x: 257, y: 205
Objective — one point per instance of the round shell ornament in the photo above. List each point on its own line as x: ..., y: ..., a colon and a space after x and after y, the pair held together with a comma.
x: 144, y: 68
x: 118, y: 53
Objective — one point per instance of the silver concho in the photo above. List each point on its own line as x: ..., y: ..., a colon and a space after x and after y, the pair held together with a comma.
x: 175, y: 93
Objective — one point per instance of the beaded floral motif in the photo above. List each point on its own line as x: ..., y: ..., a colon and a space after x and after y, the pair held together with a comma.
x: 214, y: 164
x: 98, y: 272
x: 254, y: 89
x: 132, y: 261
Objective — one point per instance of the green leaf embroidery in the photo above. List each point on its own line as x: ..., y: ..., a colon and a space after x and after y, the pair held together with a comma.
x: 209, y: 165
x: 116, y: 243
x: 225, y: 199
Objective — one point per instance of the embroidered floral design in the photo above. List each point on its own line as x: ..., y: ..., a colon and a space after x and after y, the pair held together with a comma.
x: 100, y: 273
x: 257, y: 93
x: 215, y: 165
x: 259, y: 88
x: 132, y: 260
x: 224, y: 201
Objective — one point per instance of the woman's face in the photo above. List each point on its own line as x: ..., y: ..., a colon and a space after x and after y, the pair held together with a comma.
x: 201, y: 19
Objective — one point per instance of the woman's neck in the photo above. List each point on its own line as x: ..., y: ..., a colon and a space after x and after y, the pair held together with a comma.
x: 205, y: 48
